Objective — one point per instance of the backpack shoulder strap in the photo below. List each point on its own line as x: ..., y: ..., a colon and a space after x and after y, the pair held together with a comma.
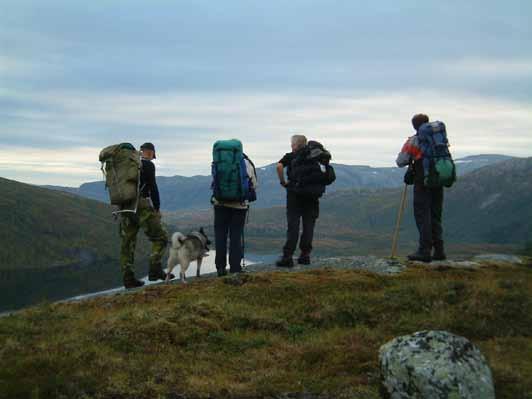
x: 251, y: 163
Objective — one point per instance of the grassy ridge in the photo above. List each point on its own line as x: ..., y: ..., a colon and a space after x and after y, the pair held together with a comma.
x: 264, y: 334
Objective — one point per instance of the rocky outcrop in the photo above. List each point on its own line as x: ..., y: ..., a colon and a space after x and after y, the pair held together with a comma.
x: 369, y: 263
x: 498, y: 258
x: 434, y: 365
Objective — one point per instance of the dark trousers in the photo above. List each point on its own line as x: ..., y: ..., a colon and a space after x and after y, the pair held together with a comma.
x: 428, y: 205
x: 229, y: 223
x: 300, y: 209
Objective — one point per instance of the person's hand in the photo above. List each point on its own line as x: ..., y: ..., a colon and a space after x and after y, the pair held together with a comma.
x: 283, y: 183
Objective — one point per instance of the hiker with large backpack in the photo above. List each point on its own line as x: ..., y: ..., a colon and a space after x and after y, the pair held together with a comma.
x: 130, y: 180
x: 234, y: 185
x: 308, y: 172
x: 430, y: 169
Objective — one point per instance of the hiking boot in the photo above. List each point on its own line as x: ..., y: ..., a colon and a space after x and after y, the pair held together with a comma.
x: 130, y: 281
x: 241, y: 271
x: 304, y: 260
x: 285, y: 262
x: 221, y: 272
x: 158, y: 275
x: 235, y: 271
x: 439, y: 255
x: 420, y: 257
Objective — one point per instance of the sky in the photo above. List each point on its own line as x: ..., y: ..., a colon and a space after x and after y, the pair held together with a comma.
x: 76, y: 76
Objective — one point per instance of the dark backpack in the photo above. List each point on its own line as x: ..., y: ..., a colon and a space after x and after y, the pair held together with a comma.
x: 310, y: 171
x: 318, y: 153
x: 231, y: 181
x: 439, y: 169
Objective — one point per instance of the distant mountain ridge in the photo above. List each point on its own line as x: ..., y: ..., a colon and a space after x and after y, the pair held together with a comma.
x: 487, y: 209
x: 192, y: 193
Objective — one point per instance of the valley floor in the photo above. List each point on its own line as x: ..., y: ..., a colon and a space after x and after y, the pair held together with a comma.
x: 267, y: 334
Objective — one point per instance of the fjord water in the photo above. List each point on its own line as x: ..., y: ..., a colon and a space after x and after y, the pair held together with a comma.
x: 207, y: 267
x: 28, y: 287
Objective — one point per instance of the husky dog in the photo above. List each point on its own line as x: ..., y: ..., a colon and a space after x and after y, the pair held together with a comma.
x: 186, y: 249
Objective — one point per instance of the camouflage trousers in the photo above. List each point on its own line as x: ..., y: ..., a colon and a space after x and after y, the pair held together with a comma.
x: 150, y: 221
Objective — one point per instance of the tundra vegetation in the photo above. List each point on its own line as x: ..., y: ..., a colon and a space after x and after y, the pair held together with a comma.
x: 265, y: 334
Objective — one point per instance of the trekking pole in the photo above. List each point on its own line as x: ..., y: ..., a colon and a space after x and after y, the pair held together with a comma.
x: 398, y: 222
x: 243, y: 251
x: 246, y: 220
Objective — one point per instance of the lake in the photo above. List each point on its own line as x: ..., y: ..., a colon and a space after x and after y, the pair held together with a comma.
x: 26, y: 287
x: 207, y: 267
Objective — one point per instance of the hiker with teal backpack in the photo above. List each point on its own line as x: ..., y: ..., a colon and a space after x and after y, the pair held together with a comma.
x: 430, y: 169
x: 234, y: 185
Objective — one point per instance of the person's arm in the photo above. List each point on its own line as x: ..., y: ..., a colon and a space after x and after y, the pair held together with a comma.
x: 151, y: 184
x: 280, y: 174
x: 252, y: 175
x: 409, y: 153
x: 155, y: 196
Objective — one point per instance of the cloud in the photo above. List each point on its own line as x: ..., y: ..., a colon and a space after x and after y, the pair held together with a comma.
x: 50, y: 166
x: 12, y: 66
x: 358, y: 128
x: 490, y: 68
x: 75, y: 77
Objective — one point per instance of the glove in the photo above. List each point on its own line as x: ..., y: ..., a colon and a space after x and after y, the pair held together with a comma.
x: 409, y: 176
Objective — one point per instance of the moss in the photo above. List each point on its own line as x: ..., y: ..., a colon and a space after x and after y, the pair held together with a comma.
x: 317, y: 331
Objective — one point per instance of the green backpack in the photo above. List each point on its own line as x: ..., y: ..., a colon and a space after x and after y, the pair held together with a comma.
x: 227, y: 158
x: 121, y: 166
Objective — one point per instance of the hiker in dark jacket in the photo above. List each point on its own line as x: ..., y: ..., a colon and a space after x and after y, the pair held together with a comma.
x: 147, y: 217
x: 306, y: 182
x: 428, y: 202
x: 148, y: 184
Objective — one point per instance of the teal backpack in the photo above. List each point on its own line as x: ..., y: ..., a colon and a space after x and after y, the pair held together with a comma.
x: 230, y: 180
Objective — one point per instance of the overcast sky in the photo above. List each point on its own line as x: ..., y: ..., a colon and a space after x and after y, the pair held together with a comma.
x: 76, y: 76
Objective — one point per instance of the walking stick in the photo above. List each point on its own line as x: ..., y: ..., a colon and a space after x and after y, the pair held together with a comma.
x: 398, y: 222
x: 246, y: 221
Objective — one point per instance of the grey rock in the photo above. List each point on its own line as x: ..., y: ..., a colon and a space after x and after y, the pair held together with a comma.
x: 498, y: 258
x: 454, y: 264
x: 434, y: 365
x: 369, y: 263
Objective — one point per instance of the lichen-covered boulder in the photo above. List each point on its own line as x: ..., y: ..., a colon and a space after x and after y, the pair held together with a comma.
x: 434, y: 365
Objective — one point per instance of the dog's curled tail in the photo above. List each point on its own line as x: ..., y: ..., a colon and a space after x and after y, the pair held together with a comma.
x: 177, y: 240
